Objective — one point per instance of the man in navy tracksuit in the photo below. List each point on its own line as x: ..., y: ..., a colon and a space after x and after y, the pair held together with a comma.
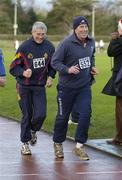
x: 33, y: 71
x: 2, y: 70
x: 74, y: 60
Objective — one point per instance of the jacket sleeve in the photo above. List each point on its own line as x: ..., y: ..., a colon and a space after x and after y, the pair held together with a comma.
x: 2, y: 67
x: 16, y: 67
x: 58, y: 58
x: 115, y: 47
x: 51, y: 71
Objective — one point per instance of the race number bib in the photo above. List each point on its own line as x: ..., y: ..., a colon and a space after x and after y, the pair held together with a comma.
x: 84, y: 63
x: 38, y: 63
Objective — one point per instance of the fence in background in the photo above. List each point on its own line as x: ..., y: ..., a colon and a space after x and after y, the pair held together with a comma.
x: 22, y: 37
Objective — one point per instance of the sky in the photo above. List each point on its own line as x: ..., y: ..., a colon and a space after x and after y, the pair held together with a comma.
x: 42, y: 4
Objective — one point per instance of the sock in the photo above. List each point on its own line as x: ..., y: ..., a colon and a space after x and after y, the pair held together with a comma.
x: 33, y: 132
x: 79, y: 145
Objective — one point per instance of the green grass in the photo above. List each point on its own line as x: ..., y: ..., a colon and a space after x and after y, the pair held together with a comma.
x: 103, y: 121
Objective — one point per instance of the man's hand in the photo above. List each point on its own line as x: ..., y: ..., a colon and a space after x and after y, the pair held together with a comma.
x: 115, y: 35
x: 74, y: 69
x: 94, y: 71
x: 27, y: 73
x: 2, y: 81
x: 49, y: 82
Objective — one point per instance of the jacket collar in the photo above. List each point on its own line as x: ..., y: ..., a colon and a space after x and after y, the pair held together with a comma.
x: 74, y: 38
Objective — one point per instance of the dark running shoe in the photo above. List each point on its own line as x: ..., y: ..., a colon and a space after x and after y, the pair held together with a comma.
x: 114, y: 142
x: 33, y: 140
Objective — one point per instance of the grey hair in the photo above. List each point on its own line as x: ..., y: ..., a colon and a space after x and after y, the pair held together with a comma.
x: 39, y: 25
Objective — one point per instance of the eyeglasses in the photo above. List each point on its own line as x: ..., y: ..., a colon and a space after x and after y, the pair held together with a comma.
x: 41, y: 34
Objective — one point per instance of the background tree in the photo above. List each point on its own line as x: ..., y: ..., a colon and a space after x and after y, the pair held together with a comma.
x: 25, y: 21
x: 60, y: 17
x: 26, y: 17
x: 107, y: 16
x: 6, y: 16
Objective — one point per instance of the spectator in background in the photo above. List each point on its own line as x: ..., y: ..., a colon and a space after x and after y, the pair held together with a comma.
x: 111, y: 88
x: 97, y: 46
x: 16, y: 44
x: 74, y: 116
x: 101, y: 44
x: 2, y: 70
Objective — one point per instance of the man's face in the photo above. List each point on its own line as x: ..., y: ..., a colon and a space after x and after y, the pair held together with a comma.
x: 39, y: 35
x: 82, y: 31
x: 119, y: 30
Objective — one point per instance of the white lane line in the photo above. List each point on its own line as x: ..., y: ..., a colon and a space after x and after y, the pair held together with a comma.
x: 8, y: 123
x: 12, y: 175
x: 9, y: 163
x: 103, y: 172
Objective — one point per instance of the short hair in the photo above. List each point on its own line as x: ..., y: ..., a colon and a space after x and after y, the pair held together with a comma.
x: 39, y: 25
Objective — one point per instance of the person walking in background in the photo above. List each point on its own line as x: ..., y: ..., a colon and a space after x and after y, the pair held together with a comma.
x: 101, y: 44
x: 32, y: 70
x: 115, y: 50
x: 74, y: 60
x: 74, y: 116
x: 16, y: 44
x: 2, y: 70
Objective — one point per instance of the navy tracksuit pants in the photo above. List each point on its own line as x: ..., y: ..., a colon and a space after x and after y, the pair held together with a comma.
x: 74, y: 114
x: 66, y: 98
x: 33, y: 106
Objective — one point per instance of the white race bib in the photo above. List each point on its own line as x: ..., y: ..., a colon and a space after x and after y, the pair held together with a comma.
x: 84, y: 63
x: 38, y: 63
